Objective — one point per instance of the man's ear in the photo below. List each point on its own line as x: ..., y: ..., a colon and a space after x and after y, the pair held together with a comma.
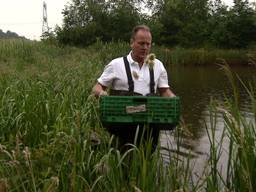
x: 131, y: 42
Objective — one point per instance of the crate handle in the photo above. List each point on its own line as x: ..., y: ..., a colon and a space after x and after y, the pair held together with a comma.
x: 141, y: 100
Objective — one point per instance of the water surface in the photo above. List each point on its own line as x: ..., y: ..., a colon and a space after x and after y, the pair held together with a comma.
x: 196, y: 87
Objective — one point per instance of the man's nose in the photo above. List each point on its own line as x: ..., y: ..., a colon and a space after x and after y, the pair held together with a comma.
x: 145, y: 46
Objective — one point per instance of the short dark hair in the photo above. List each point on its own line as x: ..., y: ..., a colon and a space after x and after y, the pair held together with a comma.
x: 137, y: 28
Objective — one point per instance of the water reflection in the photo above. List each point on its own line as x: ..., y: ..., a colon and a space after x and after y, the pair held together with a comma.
x: 196, y: 87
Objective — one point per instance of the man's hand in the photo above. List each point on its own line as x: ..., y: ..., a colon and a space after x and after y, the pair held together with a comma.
x: 103, y: 93
x: 99, y: 90
x: 166, y: 92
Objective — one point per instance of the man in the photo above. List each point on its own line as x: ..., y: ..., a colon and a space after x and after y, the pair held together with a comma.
x: 132, y: 75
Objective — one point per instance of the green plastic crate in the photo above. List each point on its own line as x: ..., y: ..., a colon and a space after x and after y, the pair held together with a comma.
x: 139, y: 109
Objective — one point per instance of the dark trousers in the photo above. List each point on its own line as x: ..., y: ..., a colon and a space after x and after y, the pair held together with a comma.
x: 126, y: 134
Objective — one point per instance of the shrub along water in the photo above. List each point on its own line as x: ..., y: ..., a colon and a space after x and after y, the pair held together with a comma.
x: 51, y: 138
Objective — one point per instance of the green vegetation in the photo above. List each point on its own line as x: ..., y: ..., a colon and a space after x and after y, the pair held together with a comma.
x: 185, y: 23
x: 9, y: 34
x: 239, y: 133
x: 51, y: 138
x: 204, y: 57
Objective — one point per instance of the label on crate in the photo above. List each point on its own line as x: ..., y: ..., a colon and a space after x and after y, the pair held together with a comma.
x: 135, y: 109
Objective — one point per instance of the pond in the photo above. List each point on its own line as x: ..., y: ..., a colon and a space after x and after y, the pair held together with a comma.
x: 196, y: 86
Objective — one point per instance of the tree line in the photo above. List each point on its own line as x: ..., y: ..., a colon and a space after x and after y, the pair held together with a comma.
x: 186, y: 23
x: 9, y: 34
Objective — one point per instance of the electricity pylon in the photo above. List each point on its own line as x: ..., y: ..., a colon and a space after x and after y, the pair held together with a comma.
x: 45, y: 27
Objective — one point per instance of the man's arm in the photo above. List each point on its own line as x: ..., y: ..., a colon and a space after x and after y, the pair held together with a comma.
x: 99, y: 90
x: 166, y: 92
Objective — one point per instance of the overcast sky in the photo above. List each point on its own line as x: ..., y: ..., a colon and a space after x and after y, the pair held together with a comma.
x: 25, y: 17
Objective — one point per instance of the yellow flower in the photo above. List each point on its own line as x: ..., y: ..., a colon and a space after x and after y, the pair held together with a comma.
x: 150, y: 60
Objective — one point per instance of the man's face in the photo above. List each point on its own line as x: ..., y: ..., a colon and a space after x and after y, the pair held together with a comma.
x: 141, y: 45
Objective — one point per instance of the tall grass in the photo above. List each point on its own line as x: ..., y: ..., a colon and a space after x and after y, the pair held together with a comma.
x: 14, y: 48
x: 240, y: 134
x: 206, y: 57
x: 51, y: 138
x: 48, y: 120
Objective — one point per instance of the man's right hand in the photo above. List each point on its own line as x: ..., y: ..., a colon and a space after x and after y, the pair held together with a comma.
x: 103, y: 93
x: 99, y: 90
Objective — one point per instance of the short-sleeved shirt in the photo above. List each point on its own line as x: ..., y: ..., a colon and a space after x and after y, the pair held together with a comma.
x: 115, y: 76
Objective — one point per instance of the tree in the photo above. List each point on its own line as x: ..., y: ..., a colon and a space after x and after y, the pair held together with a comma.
x: 218, y: 32
x: 170, y: 15
x: 86, y: 21
x: 124, y: 16
x: 194, y: 32
x: 185, y: 22
x: 10, y: 34
x: 242, y: 26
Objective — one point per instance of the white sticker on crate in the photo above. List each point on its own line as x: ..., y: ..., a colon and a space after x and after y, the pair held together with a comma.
x: 136, y: 109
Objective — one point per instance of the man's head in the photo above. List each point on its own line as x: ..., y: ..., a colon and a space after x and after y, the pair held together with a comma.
x: 140, y: 42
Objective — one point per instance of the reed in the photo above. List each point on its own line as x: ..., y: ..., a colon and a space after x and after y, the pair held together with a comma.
x: 206, y: 57
x: 239, y: 133
x: 51, y: 138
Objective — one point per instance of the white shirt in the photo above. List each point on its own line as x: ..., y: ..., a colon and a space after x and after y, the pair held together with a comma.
x: 114, y: 75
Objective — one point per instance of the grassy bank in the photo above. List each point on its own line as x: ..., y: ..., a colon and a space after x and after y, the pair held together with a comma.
x: 23, y: 52
x: 183, y: 57
x: 51, y: 138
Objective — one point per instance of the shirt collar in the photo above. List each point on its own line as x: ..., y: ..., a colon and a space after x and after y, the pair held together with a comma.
x: 130, y: 60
